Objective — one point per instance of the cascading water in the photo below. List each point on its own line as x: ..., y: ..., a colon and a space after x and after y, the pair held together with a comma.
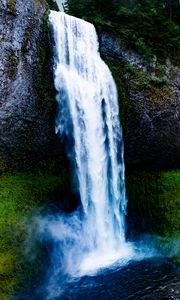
x: 89, y: 116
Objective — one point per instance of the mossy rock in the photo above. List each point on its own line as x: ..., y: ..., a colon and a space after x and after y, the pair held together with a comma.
x: 153, y: 206
x: 149, y: 108
x: 11, y: 65
x: 12, y: 6
x: 116, y: 68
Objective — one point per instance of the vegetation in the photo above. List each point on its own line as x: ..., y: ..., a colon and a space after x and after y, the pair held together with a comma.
x: 154, y: 198
x: 117, y: 69
x: 52, y: 5
x: 20, y: 198
x: 157, y: 88
x: 150, y: 27
x: 12, y: 6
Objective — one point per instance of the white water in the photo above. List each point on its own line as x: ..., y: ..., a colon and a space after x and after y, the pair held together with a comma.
x: 89, y: 115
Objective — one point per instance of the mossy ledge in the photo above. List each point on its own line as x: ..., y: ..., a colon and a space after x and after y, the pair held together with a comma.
x: 149, y: 113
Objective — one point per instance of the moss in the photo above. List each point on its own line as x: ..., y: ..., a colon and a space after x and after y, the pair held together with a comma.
x: 125, y: 107
x: 27, y: 38
x: 11, y: 65
x: 12, y: 6
x: 154, y: 200
x: 20, y: 197
x: 46, y: 88
x: 157, y: 81
x: 143, y: 80
x: 156, y: 89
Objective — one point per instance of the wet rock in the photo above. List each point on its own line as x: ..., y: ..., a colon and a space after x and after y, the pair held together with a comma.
x: 152, y: 106
x: 28, y: 108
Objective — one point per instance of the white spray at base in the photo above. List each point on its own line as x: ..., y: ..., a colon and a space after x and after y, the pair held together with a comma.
x: 94, y: 236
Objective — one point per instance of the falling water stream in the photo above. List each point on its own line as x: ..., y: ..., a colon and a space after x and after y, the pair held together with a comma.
x: 89, y: 255
x: 89, y: 116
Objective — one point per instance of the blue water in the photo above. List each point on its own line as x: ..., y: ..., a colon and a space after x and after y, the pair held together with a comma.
x: 149, y: 279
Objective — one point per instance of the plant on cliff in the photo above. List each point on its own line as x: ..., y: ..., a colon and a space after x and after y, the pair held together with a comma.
x: 150, y: 26
x: 52, y: 4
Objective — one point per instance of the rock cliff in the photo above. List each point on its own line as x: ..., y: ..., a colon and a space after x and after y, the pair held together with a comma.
x: 149, y: 97
x: 28, y: 105
x: 149, y: 106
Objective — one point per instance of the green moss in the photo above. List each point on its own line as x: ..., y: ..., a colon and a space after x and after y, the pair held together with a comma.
x: 12, y: 6
x: 144, y: 81
x: 157, y: 81
x: 46, y: 88
x: 154, y: 200
x: 11, y: 65
x: 155, y: 89
x: 125, y: 107
x: 20, y: 197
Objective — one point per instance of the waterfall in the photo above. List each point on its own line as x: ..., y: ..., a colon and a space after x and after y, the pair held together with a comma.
x: 88, y: 116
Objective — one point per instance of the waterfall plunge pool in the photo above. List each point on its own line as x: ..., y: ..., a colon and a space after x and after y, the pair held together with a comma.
x: 147, y: 279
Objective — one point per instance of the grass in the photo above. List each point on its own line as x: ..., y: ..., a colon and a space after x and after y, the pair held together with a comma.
x: 20, y: 197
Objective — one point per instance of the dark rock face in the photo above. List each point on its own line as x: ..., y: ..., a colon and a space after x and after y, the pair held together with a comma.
x: 28, y: 106
x: 152, y: 127
x: 27, y: 113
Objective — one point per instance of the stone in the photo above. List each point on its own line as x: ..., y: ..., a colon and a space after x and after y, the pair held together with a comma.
x: 27, y: 115
x: 152, y: 127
